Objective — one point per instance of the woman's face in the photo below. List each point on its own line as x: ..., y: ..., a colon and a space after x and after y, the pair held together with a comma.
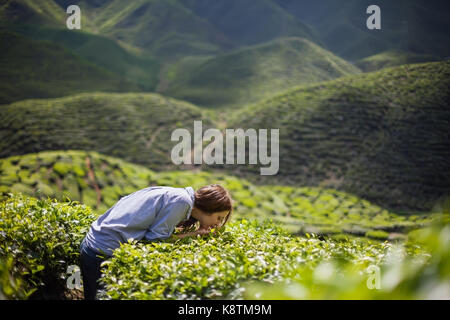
x: 212, y: 220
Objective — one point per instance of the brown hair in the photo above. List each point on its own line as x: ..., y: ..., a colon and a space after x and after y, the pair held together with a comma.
x: 210, y: 199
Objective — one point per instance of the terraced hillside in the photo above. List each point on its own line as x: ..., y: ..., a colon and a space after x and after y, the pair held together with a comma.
x: 383, y: 135
x: 134, y: 127
x: 363, y: 134
x: 40, y: 69
x: 253, y: 73
x: 99, y: 181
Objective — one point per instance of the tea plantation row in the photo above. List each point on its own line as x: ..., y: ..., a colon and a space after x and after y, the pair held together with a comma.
x: 99, y: 181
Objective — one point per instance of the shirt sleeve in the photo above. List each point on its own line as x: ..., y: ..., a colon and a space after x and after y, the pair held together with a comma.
x: 173, y: 213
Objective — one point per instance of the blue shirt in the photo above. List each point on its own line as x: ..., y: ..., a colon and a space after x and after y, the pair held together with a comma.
x: 151, y: 213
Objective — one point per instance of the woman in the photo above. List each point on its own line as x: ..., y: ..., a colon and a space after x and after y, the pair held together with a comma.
x: 151, y: 214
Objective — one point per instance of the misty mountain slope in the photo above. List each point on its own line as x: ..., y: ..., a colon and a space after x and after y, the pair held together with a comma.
x: 37, y: 12
x: 40, y: 69
x: 416, y: 26
x: 195, y: 27
x: 164, y: 29
x: 249, y: 22
x: 101, y: 51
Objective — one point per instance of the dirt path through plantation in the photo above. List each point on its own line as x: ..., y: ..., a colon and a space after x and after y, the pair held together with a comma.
x: 91, y: 176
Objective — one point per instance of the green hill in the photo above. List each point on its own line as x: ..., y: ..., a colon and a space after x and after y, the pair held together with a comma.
x: 134, y: 127
x: 417, y: 26
x: 392, y: 58
x: 381, y: 135
x: 164, y: 29
x: 253, y: 73
x: 40, y: 69
x: 99, y: 181
x: 363, y: 134
x: 101, y: 51
x: 178, y: 28
x: 174, y: 29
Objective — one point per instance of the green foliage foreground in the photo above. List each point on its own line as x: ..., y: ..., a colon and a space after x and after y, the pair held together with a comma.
x: 247, y: 259
x: 43, y: 236
x: 418, y: 270
x: 254, y: 260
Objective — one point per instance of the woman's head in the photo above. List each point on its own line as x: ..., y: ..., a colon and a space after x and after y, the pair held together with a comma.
x: 212, y: 207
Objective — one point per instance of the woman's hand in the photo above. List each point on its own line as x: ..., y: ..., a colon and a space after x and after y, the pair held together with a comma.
x: 201, y: 232
x: 212, y: 230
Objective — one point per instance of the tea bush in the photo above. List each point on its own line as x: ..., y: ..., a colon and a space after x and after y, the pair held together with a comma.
x: 220, y: 267
x: 40, y: 238
x: 43, y: 236
x: 418, y: 269
x: 10, y: 286
x: 91, y: 178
